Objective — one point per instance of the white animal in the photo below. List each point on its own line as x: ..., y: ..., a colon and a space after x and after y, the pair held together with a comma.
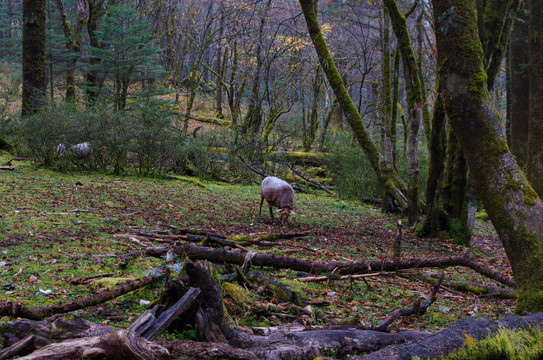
x: 78, y: 151
x: 277, y: 193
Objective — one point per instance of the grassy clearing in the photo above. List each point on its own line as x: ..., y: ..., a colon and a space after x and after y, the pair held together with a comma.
x: 53, y: 226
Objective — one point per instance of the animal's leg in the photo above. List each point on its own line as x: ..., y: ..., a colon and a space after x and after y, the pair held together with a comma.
x: 271, y: 212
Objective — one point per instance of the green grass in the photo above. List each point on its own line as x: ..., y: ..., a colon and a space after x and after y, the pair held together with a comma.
x: 52, y: 224
x: 526, y: 344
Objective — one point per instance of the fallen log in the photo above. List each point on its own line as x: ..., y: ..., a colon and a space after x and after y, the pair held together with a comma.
x: 120, y: 345
x: 462, y: 333
x: 473, y: 288
x: 12, y: 309
x: 16, y: 348
x: 223, y: 256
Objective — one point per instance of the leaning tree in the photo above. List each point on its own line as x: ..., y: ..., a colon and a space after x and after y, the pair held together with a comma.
x: 510, y: 201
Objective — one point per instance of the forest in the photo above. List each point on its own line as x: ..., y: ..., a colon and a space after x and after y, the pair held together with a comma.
x: 271, y: 179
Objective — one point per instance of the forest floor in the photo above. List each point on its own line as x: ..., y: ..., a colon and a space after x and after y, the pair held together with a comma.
x: 56, y: 227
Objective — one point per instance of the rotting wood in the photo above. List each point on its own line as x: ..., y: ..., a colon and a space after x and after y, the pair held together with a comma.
x: 120, y: 345
x: 223, y: 256
x: 166, y: 318
x: 464, y: 332
x: 16, y: 348
x: 345, y: 277
x: 12, y: 309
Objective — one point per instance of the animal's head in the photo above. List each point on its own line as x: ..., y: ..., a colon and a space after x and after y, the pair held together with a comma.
x: 285, y: 213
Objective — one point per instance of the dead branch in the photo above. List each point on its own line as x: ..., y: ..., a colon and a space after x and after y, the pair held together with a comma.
x: 9, y: 308
x: 166, y: 318
x: 16, y: 348
x: 474, y: 288
x: 314, y: 182
x: 121, y: 345
x: 416, y: 308
x: 223, y: 256
x: 344, y: 277
x: 87, y: 279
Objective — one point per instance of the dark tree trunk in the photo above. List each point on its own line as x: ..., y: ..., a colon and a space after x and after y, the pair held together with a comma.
x: 430, y: 226
x: 513, y: 206
x: 253, y: 120
x: 520, y: 87
x: 34, y: 63
x: 535, y: 133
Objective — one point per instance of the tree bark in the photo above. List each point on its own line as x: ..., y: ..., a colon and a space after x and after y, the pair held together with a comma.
x: 453, y: 338
x: 535, y: 132
x: 520, y: 87
x: 34, y: 57
x: 511, y: 203
x: 388, y: 177
x: 283, y: 262
x: 415, y: 103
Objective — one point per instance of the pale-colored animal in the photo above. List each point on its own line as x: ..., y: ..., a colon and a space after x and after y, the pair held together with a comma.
x: 78, y: 151
x: 277, y: 193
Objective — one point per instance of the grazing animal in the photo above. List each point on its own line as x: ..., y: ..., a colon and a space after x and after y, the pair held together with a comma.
x: 77, y: 151
x: 277, y: 193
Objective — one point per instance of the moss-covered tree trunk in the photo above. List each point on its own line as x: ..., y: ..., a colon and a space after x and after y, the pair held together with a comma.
x: 34, y: 64
x: 310, y: 134
x: 389, y: 122
x: 519, y: 83
x: 388, y: 177
x: 495, y: 19
x: 535, y: 134
x: 93, y: 21
x: 430, y: 226
x: 72, y: 39
x: 512, y: 205
x: 415, y: 102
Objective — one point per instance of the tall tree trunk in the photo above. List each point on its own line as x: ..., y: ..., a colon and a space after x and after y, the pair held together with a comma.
x: 309, y: 139
x: 253, y: 119
x: 512, y: 205
x: 72, y: 45
x: 495, y: 19
x: 415, y: 102
x: 389, y: 121
x: 219, y: 66
x: 535, y: 134
x: 430, y: 226
x: 93, y: 21
x: 520, y: 87
x: 388, y: 177
x: 34, y: 55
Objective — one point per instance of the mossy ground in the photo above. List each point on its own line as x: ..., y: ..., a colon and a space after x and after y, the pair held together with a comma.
x: 58, y: 227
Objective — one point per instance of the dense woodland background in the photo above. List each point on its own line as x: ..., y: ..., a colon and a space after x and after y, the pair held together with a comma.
x: 428, y: 110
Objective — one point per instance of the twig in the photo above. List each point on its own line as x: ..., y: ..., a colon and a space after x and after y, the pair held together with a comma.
x: 87, y: 279
x: 416, y: 308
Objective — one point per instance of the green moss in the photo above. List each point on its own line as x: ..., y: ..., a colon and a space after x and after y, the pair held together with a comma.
x: 238, y: 294
x: 482, y: 215
x: 109, y: 283
x: 507, y: 344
